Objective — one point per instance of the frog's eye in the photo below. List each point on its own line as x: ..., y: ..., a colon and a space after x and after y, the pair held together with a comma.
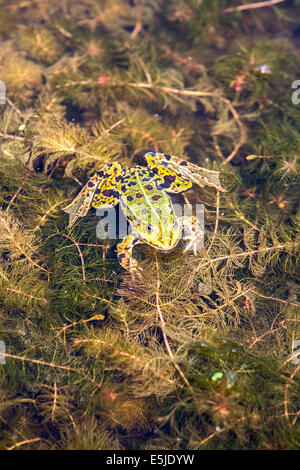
x: 149, y: 228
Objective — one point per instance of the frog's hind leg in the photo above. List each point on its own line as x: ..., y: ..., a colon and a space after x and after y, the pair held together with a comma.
x: 193, y: 233
x: 177, y: 175
x: 164, y: 175
x: 124, y: 252
x: 98, y: 191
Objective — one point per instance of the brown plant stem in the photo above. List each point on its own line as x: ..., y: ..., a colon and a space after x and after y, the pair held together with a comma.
x: 163, y: 330
x: 251, y: 6
x: 22, y: 443
x: 246, y: 253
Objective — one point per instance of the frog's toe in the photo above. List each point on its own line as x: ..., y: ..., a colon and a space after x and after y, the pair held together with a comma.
x: 124, y: 252
x: 136, y: 272
x: 193, y: 244
x: 134, y: 267
x: 192, y: 234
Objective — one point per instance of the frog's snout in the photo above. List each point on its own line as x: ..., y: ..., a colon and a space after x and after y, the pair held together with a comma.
x: 169, y: 242
x: 170, y: 248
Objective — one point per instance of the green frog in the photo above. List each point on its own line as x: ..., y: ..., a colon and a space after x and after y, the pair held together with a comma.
x: 143, y: 194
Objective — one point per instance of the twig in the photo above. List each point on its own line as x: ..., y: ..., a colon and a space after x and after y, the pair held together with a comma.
x: 30, y: 296
x: 138, y: 25
x: 245, y: 253
x: 219, y: 431
x: 99, y: 316
x: 286, y: 389
x: 259, y: 338
x: 80, y: 254
x: 251, y: 6
x: 12, y: 105
x: 189, y: 64
x: 10, y: 136
x: 146, y: 135
x: 176, y: 91
x: 217, y: 221
x: 22, y: 443
x: 53, y: 365
x: 39, y: 362
x: 217, y: 147
x: 107, y: 131
x: 286, y: 302
x: 19, y: 189
x: 17, y: 291
x: 242, y: 139
x: 54, y: 402
x: 163, y: 330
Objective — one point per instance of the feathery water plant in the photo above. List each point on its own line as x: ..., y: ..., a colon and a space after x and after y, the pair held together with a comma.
x: 199, y: 351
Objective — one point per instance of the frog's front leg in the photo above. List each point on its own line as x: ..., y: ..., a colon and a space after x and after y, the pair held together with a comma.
x: 192, y: 233
x: 124, y: 252
x: 176, y: 175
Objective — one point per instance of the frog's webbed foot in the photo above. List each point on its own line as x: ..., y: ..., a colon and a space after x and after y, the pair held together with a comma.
x: 124, y: 252
x: 176, y: 175
x: 192, y: 233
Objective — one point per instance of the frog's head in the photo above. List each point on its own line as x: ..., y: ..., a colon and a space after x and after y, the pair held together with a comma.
x: 163, y: 237
x: 154, y: 220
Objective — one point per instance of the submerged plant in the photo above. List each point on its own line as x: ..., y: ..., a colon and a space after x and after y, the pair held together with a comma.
x: 199, y: 351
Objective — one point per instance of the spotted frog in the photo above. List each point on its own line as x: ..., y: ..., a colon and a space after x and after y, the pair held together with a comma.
x: 143, y: 196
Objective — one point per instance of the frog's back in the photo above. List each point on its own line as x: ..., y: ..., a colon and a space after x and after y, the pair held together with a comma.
x: 148, y: 208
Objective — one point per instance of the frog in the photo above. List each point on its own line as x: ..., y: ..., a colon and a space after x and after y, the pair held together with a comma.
x: 143, y: 195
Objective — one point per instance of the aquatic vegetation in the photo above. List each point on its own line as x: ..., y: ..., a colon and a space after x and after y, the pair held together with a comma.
x: 198, y: 351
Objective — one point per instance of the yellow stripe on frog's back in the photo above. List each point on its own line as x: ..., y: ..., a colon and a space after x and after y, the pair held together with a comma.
x: 149, y: 210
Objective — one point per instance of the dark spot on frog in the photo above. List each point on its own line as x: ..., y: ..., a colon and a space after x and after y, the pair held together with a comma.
x: 170, y: 178
x: 110, y: 192
x: 156, y: 197
x: 139, y: 195
x: 184, y: 163
x: 149, y: 187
